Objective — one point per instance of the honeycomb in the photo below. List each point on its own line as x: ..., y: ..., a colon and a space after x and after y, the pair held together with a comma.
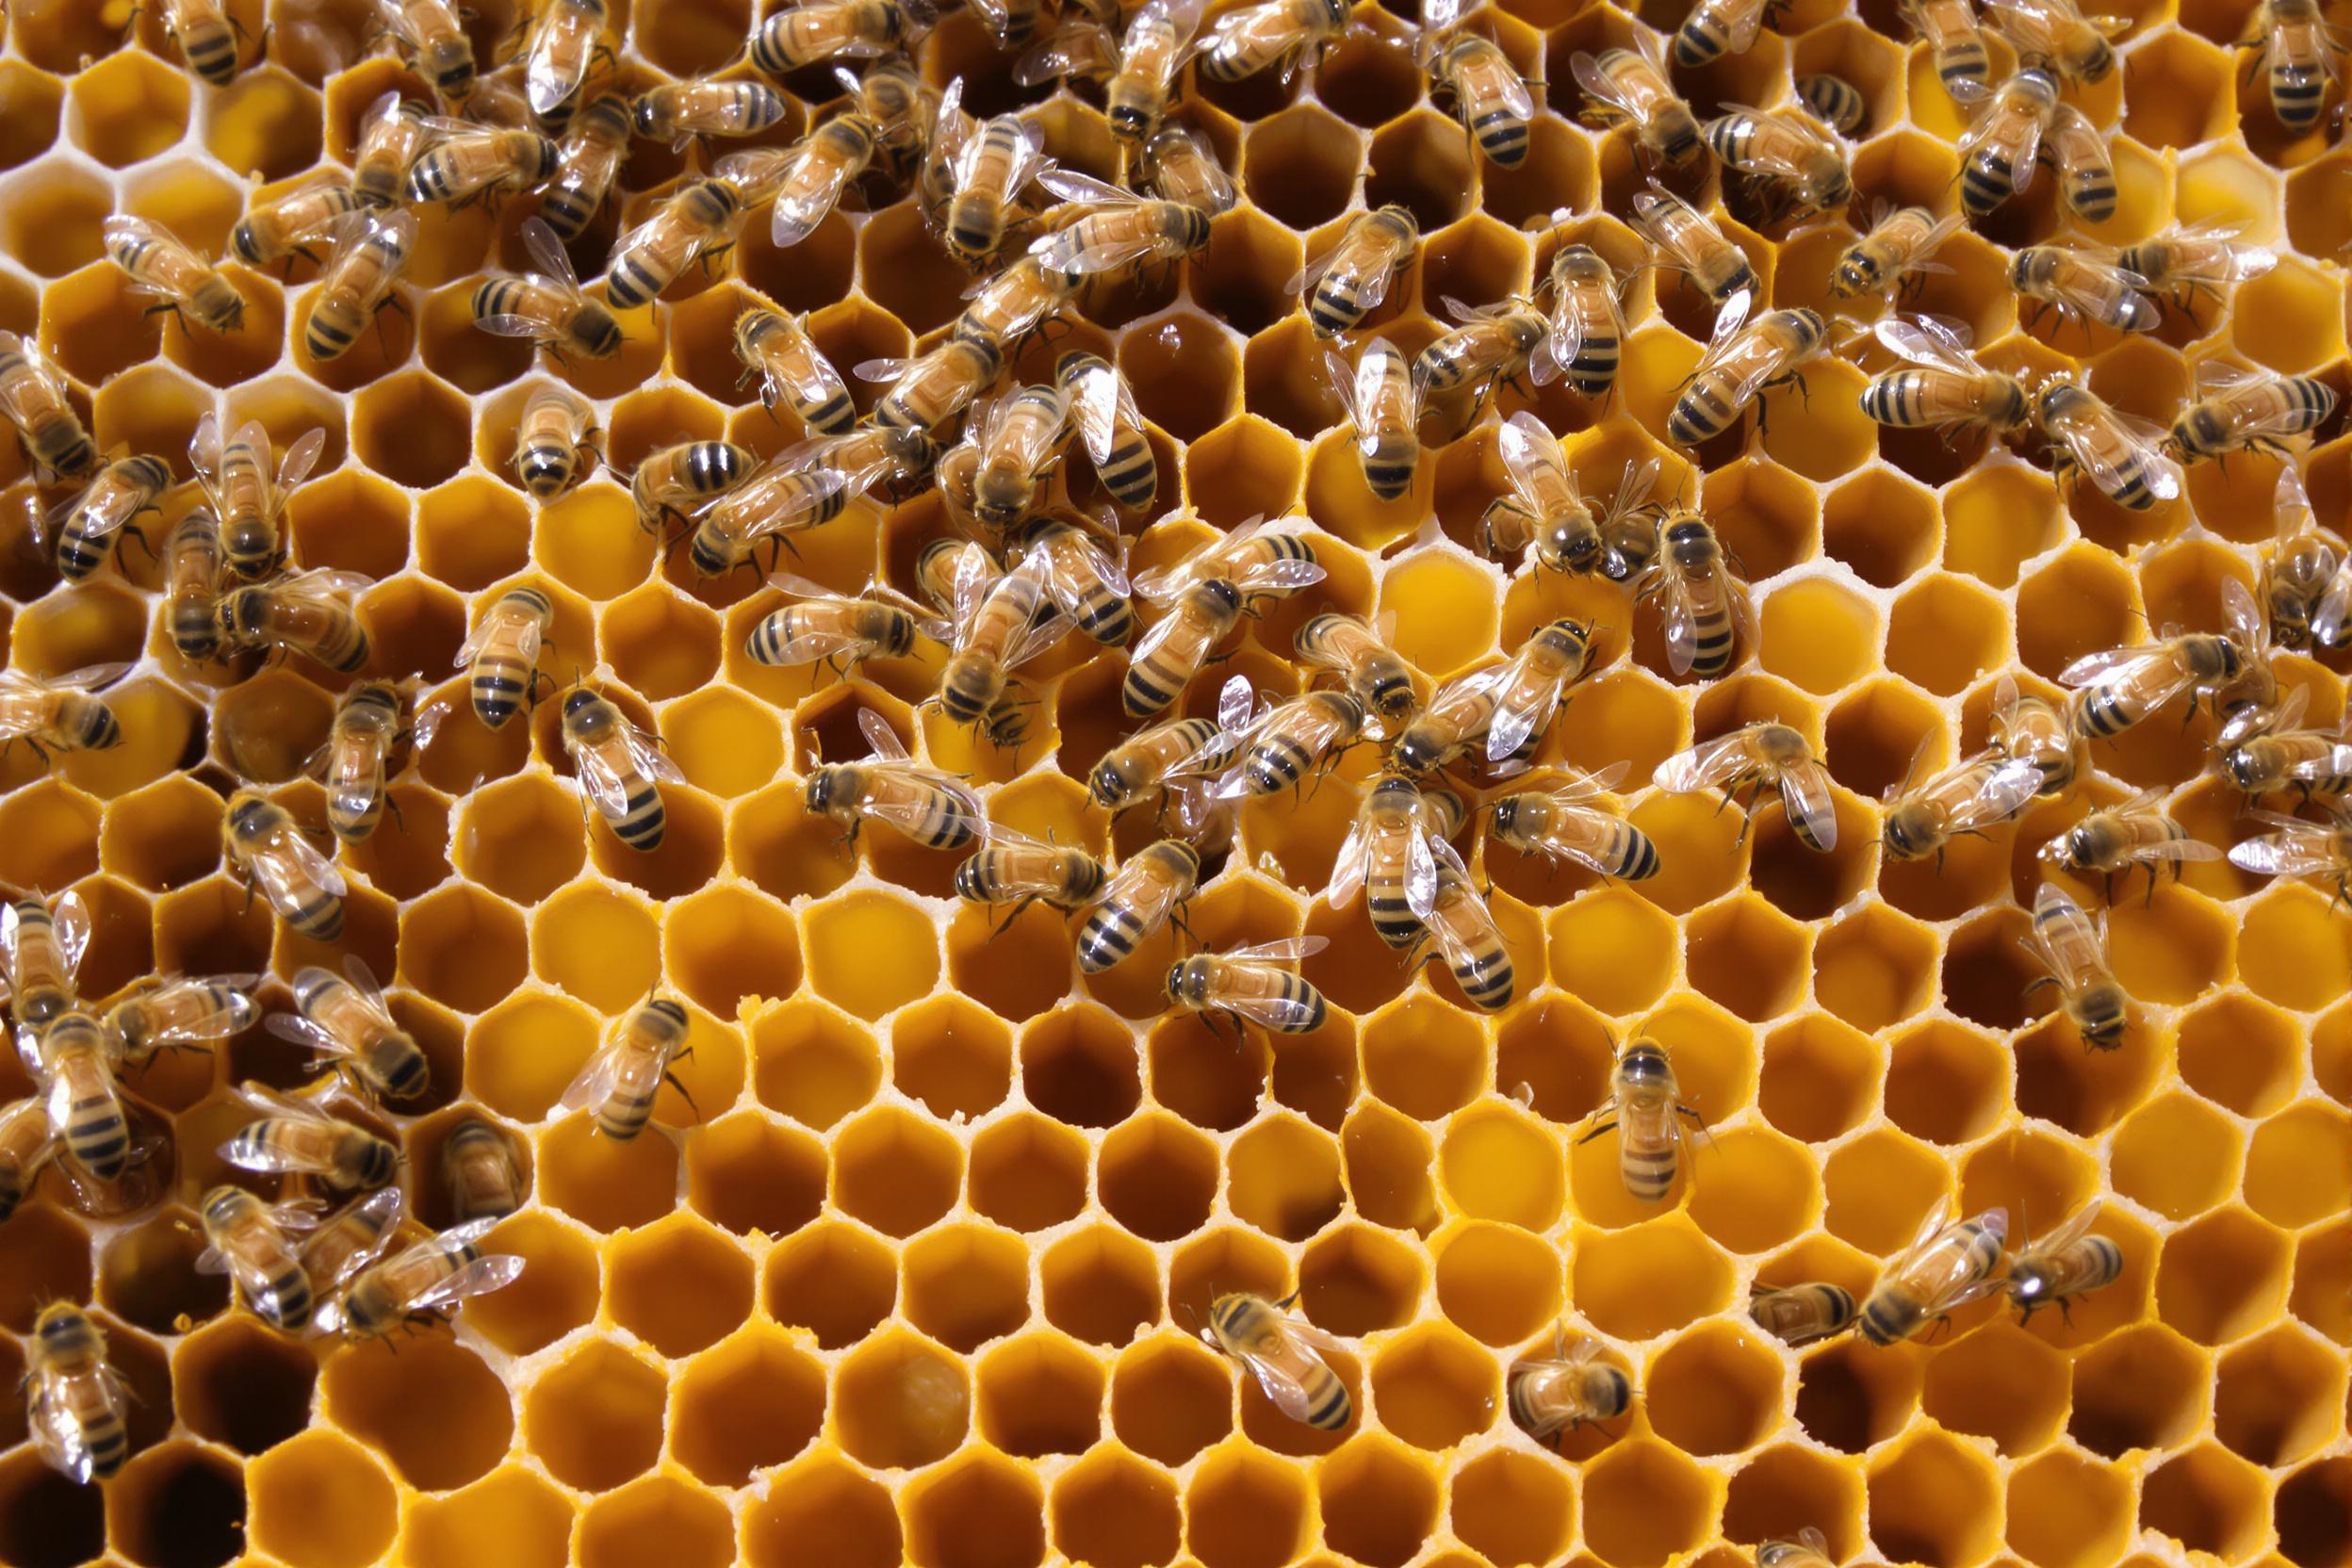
x: 918, y: 1282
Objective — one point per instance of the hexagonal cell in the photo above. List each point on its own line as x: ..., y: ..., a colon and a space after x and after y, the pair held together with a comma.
x: 835, y: 1279
x: 1818, y: 1078
x: 1878, y: 1186
x: 33, y: 98
x: 2141, y: 1389
x: 1378, y: 1504
x: 967, y: 1284
x: 607, y: 1186
x: 1100, y: 1285
x: 678, y: 1286
x: 179, y: 1503
x: 2295, y: 1168
x: 440, y: 1415
x: 1498, y: 1284
x: 1113, y: 1510
x: 555, y: 1293
x: 659, y: 1516
x: 1027, y: 1173
x: 1933, y: 1502
x: 821, y: 1512
x: 2290, y: 955
x: 1497, y: 1164
x: 1425, y: 1059
x: 1946, y: 1082
x: 528, y: 1519
x: 599, y: 944
x: 1184, y: 373
x: 752, y: 1402
x: 1643, y: 1503
x: 1684, y: 1277
x: 1040, y: 1395
x: 147, y: 1276
x: 1435, y: 1388
x: 1245, y: 1510
x: 1785, y: 1488
x: 265, y: 124
x: 813, y: 1064
x: 841, y: 931
x: 2221, y: 1276
x: 2067, y: 1510
x: 54, y: 213
x: 1714, y: 1391
x: 982, y: 1511
x: 2001, y: 1383
x: 319, y: 1498
x: 2209, y: 1500
x: 1747, y: 956
x: 594, y: 1419
x: 2279, y: 1398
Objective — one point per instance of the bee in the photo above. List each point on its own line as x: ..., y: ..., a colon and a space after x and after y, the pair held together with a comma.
x: 1284, y: 1354
x: 1179, y: 166
x: 288, y: 225
x: 1545, y: 507
x: 1963, y: 64
x: 351, y: 1239
x: 2202, y: 258
x: 620, y: 1081
x: 2123, y: 455
x: 348, y: 1022
x: 75, y: 1059
x: 1527, y: 691
x: 1570, y: 1389
x: 1151, y: 759
x: 2133, y: 833
x: 586, y: 161
x: 831, y: 29
x: 2067, y: 1263
x: 934, y: 387
x: 1010, y: 23
x: 192, y: 562
x: 1247, y: 984
x: 1206, y: 599
x: 932, y: 809
x: 2245, y: 410
x: 1459, y: 715
x: 58, y: 713
x: 235, y: 476
x: 1493, y: 344
x: 2087, y: 174
x: 697, y: 221
x: 1967, y: 798
x: 1834, y: 100
x: 479, y: 1167
x: 77, y: 1404
x: 502, y: 655
x: 301, y: 614
x: 801, y: 488
x: 1001, y: 624
x: 775, y: 347
x: 158, y: 263
x: 1808, y: 1547
x: 1013, y: 867
x: 1153, y: 50
x: 1949, y: 389
x: 2085, y: 282
x: 1119, y: 228
x: 1996, y: 150
x: 371, y: 250
x: 1787, y: 149
x: 691, y: 473
x: 1587, y: 319
x: 984, y: 169
x: 1347, y: 283
x: 1895, y: 252
x: 1945, y: 1267
x: 1704, y: 610
x: 26, y: 1145
x: 618, y: 768
x: 294, y: 1135
x: 1631, y: 86
x: 1646, y: 1109
x: 679, y: 112
x: 1717, y: 27
x: 248, y: 1240
x: 354, y: 760
x: 2307, y: 576
x: 433, y: 43
x: 33, y: 398
x: 2274, y: 752
x: 1359, y: 653
x: 1683, y: 240
x: 1148, y: 890
x: 393, y: 135
x: 1463, y: 931
x: 1268, y: 33
x: 1738, y: 366
x: 181, y: 1012
x: 1385, y: 409
x: 837, y: 631
x: 473, y: 162
x: 1759, y: 756
x: 85, y: 526
x: 805, y: 181
x: 1564, y: 824
x: 1020, y: 437
x: 547, y: 307
x: 2296, y: 50
x: 1082, y: 579
x: 2125, y: 685
x: 1284, y: 741
x: 1389, y: 854
x: 2301, y: 848
x: 437, y: 1272
x: 208, y: 38
x: 2056, y: 35
x: 1006, y: 308
x: 1490, y: 100
x: 1109, y: 428
x: 265, y: 847
x: 1798, y: 1314
x: 2029, y: 729
x: 41, y: 951
x: 555, y: 441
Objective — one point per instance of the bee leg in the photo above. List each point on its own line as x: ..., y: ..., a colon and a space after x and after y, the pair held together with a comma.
x: 672, y: 1079
x: 712, y: 254
x: 1596, y: 1131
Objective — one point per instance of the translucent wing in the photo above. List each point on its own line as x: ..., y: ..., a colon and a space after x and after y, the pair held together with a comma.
x: 1288, y: 1392
x: 1099, y: 256
x: 558, y: 55
x: 1746, y: 21
x: 881, y: 736
x: 1420, y: 874
x: 1925, y: 340
x: 1531, y: 457
x: 477, y: 1278
x: 294, y: 857
x: 68, y: 918
x: 1286, y: 1014
x: 56, y: 1428
x: 1513, y: 723
x: 1103, y: 403
x: 1805, y: 795
x: 908, y: 815
x: 1077, y: 50
x: 801, y: 206
x: 1070, y: 186
x: 527, y: 636
x: 1312, y: 273
x: 547, y: 252
x: 2297, y: 849
x: 603, y: 783
x: 1286, y: 575
x: 1348, y: 867
x: 2009, y: 791
x: 2093, y: 667
x: 122, y: 230
x: 2094, y: 450
x: 298, y: 1030
x: 1599, y: 85
x: 303, y: 455
x: 650, y: 758
x: 1286, y: 950
x: 593, y: 1085
x: 1707, y: 766
x: 1680, y: 626
x: 218, y: 1019
x: 2078, y: 1225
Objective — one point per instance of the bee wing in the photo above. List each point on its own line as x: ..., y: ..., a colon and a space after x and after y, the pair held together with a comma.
x: 1421, y: 873
x: 1078, y: 50
x: 1598, y: 84
x: 57, y: 1428
x: 298, y: 1030
x: 1312, y: 273
x: 2159, y: 472
x: 603, y: 785
x: 1070, y: 186
x: 547, y: 252
x: 362, y: 980
x: 646, y: 751
x: 2094, y: 667
x: 1284, y: 951
x: 1681, y: 628
x: 279, y: 880
x: 123, y: 229
x: 594, y: 1080
x: 800, y: 208
x: 1288, y: 1394
x: 2297, y: 849
x: 879, y: 371
x: 2009, y: 791
x: 1233, y: 704
x: 1530, y: 455
x: 477, y: 1278
x: 2052, y: 909
x: 1805, y: 795
x: 1513, y: 725
x: 217, y: 1022
x: 1746, y: 23
x: 1348, y: 867
x: 1103, y: 404
x: 881, y: 736
x: 203, y: 452
x: 2335, y: 763
x: 1928, y: 340
x: 1286, y: 575
x: 2243, y: 615
x: 303, y: 455
x: 558, y: 55
x: 1705, y: 766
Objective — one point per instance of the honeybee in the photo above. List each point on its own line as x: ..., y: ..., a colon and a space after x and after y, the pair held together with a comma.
x: 1739, y: 365
x: 1787, y: 149
x: 1156, y: 45
x: 351, y: 1239
x: 1109, y: 428
x: 628, y: 1070
x: 41, y: 951
x: 393, y: 135
x: 1013, y: 867
x: 158, y: 264
x: 1490, y: 100
x: 837, y: 631
x: 1458, y: 714
x: 1006, y: 308
x: 269, y: 852
x: 1385, y: 409
x: 1963, y: 64
x: 502, y: 655
x: 350, y: 1024
x: 299, y: 614
x: 1358, y: 652
x: 1119, y: 228
x: 1284, y: 1354
x: 933, y: 809
x: 2304, y: 571
x: 1895, y: 252
x: 294, y: 1135
x: 1564, y: 822
x: 248, y: 1240
x: 2085, y: 283
x: 2086, y: 175
x: 618, y: 768
x: 370, y: 251
x: 1002, y: 622
x: 697, y: 221
x: 2067, y: 1263
x: 85, y: 526
x: 933, y: 387
x: 1147, y: 891
x: 472, y: 162
x: 75, y: 1059
x: 2301, y: 848
x: 1761, y: 755
x: 208, y: 38
x: 1998, y: 150
x: 1645, y: 1105
x: 1528, y: 690
x: 192, y: 562
x: 555, y: 441
x: 2296, y: 50
x: 1462, y: 929
x: 432, y: 42
x: 181, y: 1012
x: 1703, y: 606
x: 33, y: 397
x: 2202, y: 258
x: 235, y: 475
x: 693, y: 473
x: 354, y: 760
x: 1267, y: 33
x: 1556, y: 1395
x: 77, y: 1404
x: 1545, y: 506
x: 288, y: 225
x: 58, y: 713
x: 1631, y: 86
x: 984, y: 169
x: 546, y: 306
x: 1587, y: 320
x: 2269, y: 751
x: 699, y: 108
x: 2031, y: 729
x: 1798, y: 1314
x: 1206, y: 599
x: 586, y: 159
x: 26, y: 1145
x: 1834, y: 100
x: 1945, y: 1267
x: 1684, y: 242
x: 1247, y: 985
x: 1389, y: 854
x: 1284, y: 743
x: 1967, y: 798
x: 2133, y: 833
x: 1082, y: 579
x: 2123, y: 454
x: 1179, y: 166
x: 775, y: 347
x: 1492, y: 344
x: 1149, y: 760
x: 836, y: 29
x: 2056, y: 34
x: 1718, y: 28
x: 1020, y: 438
x: 478, y: 1164
x: 2241, y: 410
x: 436, y: 1273
x: 1950, y: 389
x: 1348, y: 281
x: 802, y: 488
x: 806, y: 180
x: 2073, y: 949
x: 2125, y: 685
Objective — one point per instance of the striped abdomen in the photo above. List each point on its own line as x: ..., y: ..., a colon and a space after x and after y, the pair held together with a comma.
x: 97, y: 1135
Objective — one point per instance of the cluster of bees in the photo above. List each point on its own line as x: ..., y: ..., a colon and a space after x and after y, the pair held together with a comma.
x: 1032, y: 564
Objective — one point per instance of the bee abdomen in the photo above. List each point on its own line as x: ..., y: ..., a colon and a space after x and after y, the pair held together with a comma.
x: 1110, y: 935
x: 1503, y: 137
x: 1986, y: 182
x: 99, y: 1135
x: 641, y: 822
x: 1700, y: 413
x: 1649, y: 1173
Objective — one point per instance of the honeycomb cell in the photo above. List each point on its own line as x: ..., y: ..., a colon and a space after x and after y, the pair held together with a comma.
x: 1040, y: 1395
x: 51, y: 223
x: 2295, y: 1167
x: 1933, y: 1501
x: 321, y: 1499
x: 1714, y: 1391
x: 657, y: 1517
x: 511, y: 1515
x: 463, y: 948
x: 1497, y: 1282
x: 2290, y: 955
x: 1649, y: 1280
x: 1945, y: 1083
x: 594, y: 1419
x: 440, y: 1417
x: 980, y: 1512
x: 1747, y: 956
x: 1116, y: 1510
x: 2001, y: 1383
x: 835, y: 1279
x: 2065, y: 1510
x: 2209, y: 1500
x: 2141, y: 1389
x: 2221, y: 1276
x: 678, y: 1286
x: 840, y: 931
x: 1785, y: 1488
x: 236, y: 1383
x: 2279, y: 1398
x: 178, y: 1503
x: 752, y: 1402
x: 599, y: 943
x: 820, y: 1510
x: 1643, y: 1503
x: 1613, y: 950
x: 1878, y: 1185
x: 148, y: 1278
x: 607, y: 1186
x: 33, y: 99
x: 1378, y: 1505
x: 1425, y: 1059
x: 1498, y: 1165
x: 1098, y: 1285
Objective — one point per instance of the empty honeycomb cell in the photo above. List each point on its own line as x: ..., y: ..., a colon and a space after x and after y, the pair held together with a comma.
x: 750, y: 1175
x: 1183, y: 372
x: 1378, y: 1504
x: 1747, y: 956
x: 1881, y: 526
x: 1388, y: 1164
x: 1759, y: 1190
x: 1425, y: 1059
x: 1643, y: 1503
x: 1612, y: 949
x: 178, y: 1504
x: 2175, y: 950
x: 1242, y: 469
x: 1853, y: 1396
x: 659, y: 644
x: 2081, y: 602
x: 264, y: 123
x: 2287, y: 321
x: 1786, y: 1488
x: 1985, y: 973
x: 1946, y: 1082
x: 2280, y: 1398
x: 728, y: 945
x: 752, y: 1402
x: 512, y: 1515
x: 606, y: 1186
x: 2001, y: 1383
x: 594, y: 1419
x: 1498, y: 1283
x: 724, y: 742
x: 1443, y: 608
x: 2066, y: 1512
x: 1202, y: 1077
x: 2290, y: 953
x: 2221, y: 1276
x: 147, y: 1276
x: 678, y: 1286
x: 471, y: 533
x: 1717, y: 1390
x: 236, y: 1383
x: 2209, y: 1500
x: 819, y: 1510
x: 48, y: 836
x: 1159, y: 1178
x: 438, y: 1413
x: 95, y: 324
x: 591, y: 542
x: 1478, y: 257
x: 2177, y: 1156
x: 53, y: 210
x: 411, y: 428
x: 980, y: 1512
x: 1497, y: 1164
x: 899, y: 1403
x: 31, y: 100
x: 319, y: 1499
x: 520, y: 836
x: 896, y: 1171
x: 2141, y: 1389
x: 1874, y: 967
x: 1098, y: 1285
x: 1245, y: 1510
x: 2310, y: 1513
x: 1649, y: 1280
x: 1933, y: 1502
x: 1435, y: 1388
x: 2297, y: 1170
x: 599, y: 944
x: 207, y: 928
x: 1040, y: 1395
x: 1027, y: 1173
x: 659, y: 1516
x: 463, y: 948
x: 836, y: 1280
x: 1818, y: 1078
x: 838, y: 932
x: 967, y: 1284
x: 1116, y: 1512
x: 523, y: 1052
x: 47, y: 1259
x: 813, y: 1064
x: 1283, y: 1178
x: 1355, y: 1281
x: 1878, y: 1186
x: 1818, y: 633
